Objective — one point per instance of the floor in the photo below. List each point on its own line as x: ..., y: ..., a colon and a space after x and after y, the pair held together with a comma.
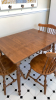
x: 30, y: 90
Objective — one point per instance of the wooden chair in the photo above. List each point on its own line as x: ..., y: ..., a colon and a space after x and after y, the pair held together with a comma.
x: 44, y: 64
x: 49, y: 28
x: 6, y: 68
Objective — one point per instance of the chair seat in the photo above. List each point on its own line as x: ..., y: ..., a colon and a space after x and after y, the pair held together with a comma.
x: 37, y: 64
x: 47, y: 48
x: 8, y: 67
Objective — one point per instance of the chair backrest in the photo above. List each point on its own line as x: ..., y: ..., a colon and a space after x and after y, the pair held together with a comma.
x: 49, y: 28
x: 51, y: 65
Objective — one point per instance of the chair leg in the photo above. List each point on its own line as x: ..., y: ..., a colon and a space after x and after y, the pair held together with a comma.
x: 55, y: 73
x: 45, y: 85
x: 42, y: 52
x: 4, y: 85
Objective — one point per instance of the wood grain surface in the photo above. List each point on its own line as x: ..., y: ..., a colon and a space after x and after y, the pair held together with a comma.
x: 21, y: 45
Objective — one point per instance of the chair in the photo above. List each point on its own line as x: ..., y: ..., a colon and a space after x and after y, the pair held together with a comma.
x: 6, y: 68
x: 44, y: 64
x: 49, y: 28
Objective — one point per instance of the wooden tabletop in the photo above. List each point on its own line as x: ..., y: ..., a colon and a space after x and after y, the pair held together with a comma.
x: 21, y: 45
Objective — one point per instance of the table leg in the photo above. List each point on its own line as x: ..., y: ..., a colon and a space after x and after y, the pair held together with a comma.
x: 18, y: 78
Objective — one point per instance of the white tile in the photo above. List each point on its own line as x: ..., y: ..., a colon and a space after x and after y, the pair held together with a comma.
x: 24, y: 70
x: 22, y: 80
x: 31, y: 57
x: 9, y: 90
x: 41, y: 96
x: 27, y: 60
x: 53, y: 96
x: 48, y: 80
x: 50, y: 76
x: 1, y: 88
x: 42, y: 78
x: 14, y: 96
x: 7, y: 99
x: 32, y: 71
x: 28, y: 96
x: 14, y: 76
x: 52, y: 85
x: 21, y: 66
x: 21, y: 99
x: 48, y: 91
x: 39, y: 86
x: 33, y: 82
x: 54, y: 79
x: 24, y: 63
x: 34, y: 90
x: 7, y: 82
x: 36, y: 74
x: 2, y: 96
x: 23, y: 90
x: 9, y: 78
x: 28, y: 84
x: 1, y: 78
x: 15, y: 85
x: 28, y: 66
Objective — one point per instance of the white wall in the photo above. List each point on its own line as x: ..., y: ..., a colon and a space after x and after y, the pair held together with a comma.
x: 52, y: 17
x: 16, y: 24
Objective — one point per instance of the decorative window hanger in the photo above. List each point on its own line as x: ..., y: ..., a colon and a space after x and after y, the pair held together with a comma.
x: 15, y: 4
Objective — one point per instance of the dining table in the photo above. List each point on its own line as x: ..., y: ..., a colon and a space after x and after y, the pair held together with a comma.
x: 21, y: 45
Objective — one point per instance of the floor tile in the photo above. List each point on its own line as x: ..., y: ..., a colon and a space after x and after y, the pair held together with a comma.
x: 53, y: 96
x: 14, y: 96
x: 1, y: 88
x: 22, y: 80
x: 54, y: 79
x: 34, y: 91
x: 7, y: 99
x: 1, y: 78
x: 41, y: 96
x: 28, y: 66
x: 9, y: 90
x: 15, y: 85
x: 28, y: 84
x: 23, y: 90
x: 2, y: 96
x: 7, y: 82
x: 50, y: 76
x: 28, y: 96
x: 52, y: 85
x: 49, y: 92
x: 39, y: 86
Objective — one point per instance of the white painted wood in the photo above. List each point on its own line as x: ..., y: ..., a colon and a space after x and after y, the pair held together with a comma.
x: 52, y: 16
x: 12, y: 14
